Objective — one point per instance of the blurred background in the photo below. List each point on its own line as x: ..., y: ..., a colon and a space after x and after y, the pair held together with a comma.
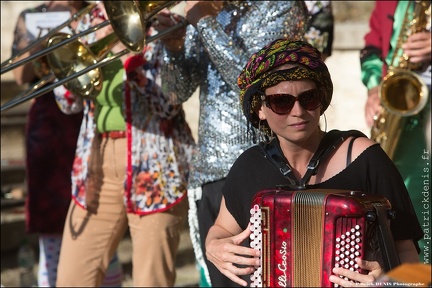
x: 345, y: 112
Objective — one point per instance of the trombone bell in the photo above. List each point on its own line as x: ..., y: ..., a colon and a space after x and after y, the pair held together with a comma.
x: 129, y: 20
x: 71, y: 58
x: 128, y: 23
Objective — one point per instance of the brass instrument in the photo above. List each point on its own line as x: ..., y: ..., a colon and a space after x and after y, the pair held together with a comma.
x: 9, y: 64
x: 77, y: 65
x: 69, y: 59
x: 402, y: 92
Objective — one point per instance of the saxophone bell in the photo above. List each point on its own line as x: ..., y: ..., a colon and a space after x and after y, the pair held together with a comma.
x: 411, y: 91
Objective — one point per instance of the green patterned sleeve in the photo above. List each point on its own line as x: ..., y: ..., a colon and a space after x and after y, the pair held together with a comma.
x: 371, y: 69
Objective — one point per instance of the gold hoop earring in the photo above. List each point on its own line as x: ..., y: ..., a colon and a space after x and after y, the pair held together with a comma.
x: 325, y: 122
x: 263, y: 133
x: 262, y: 137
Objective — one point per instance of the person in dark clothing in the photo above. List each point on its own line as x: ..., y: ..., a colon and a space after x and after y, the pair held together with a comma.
x: 284, y: 89
x: 209, y: 55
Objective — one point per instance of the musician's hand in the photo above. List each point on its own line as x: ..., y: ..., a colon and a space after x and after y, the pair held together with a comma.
x: 196, y: 10
x: 352, y: 278
x: 418, y: 47
x: 226, y: 253
x: 173, y: 41
x: 373, y: 106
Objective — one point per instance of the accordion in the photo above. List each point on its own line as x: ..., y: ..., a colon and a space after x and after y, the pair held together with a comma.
x: 303, y: 234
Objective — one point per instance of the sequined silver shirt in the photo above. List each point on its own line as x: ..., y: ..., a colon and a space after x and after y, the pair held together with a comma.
x: 215, y: 52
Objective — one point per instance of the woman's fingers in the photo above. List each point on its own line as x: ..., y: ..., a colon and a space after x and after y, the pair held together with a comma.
x: 348, y: 278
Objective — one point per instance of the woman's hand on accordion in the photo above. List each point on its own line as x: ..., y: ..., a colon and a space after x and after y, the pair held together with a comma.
x: 230, y: 257
x: 348, y: 278
x: 224, y: 249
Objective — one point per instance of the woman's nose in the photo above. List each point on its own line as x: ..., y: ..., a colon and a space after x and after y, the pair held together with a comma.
x: 297, y: 109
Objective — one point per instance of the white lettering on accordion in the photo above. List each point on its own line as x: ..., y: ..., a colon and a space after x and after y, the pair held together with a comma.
x: 282, y: 279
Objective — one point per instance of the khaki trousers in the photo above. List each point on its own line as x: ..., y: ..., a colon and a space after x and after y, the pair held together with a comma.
x: 91, y: 238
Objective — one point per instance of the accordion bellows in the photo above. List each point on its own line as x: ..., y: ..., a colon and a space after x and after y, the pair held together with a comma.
x: 303, y: 234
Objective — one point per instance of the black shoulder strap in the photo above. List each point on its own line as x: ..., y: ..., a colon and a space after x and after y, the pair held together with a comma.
x: 349, y: 151
x: 273, y: 153
x: 330, y: 141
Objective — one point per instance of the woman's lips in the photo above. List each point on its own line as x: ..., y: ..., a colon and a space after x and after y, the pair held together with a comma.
x: 299, y: 124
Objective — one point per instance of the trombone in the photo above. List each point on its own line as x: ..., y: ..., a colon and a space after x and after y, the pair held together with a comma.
x: 9, y: 64
x: 128, y: 19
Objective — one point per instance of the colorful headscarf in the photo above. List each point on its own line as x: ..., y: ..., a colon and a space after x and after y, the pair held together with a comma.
x: 259, y: 73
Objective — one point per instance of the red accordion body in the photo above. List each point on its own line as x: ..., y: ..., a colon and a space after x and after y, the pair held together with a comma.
x: 303, y: 234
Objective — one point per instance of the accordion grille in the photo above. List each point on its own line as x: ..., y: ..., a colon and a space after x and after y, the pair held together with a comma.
x: 308, y: 210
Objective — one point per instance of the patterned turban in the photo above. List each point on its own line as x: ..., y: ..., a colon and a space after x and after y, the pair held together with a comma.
x: 259, y: 74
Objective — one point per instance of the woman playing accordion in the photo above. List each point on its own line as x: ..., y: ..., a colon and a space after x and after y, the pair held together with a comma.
x: 275, y: 77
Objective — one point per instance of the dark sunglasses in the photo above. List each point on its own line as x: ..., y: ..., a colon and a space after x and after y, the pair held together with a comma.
x: 283, y: 103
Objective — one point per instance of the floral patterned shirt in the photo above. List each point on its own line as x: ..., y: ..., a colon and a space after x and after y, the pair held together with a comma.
x: 159, y: 140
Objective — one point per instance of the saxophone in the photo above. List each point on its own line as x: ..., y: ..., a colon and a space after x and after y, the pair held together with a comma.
x: 402, y: 92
